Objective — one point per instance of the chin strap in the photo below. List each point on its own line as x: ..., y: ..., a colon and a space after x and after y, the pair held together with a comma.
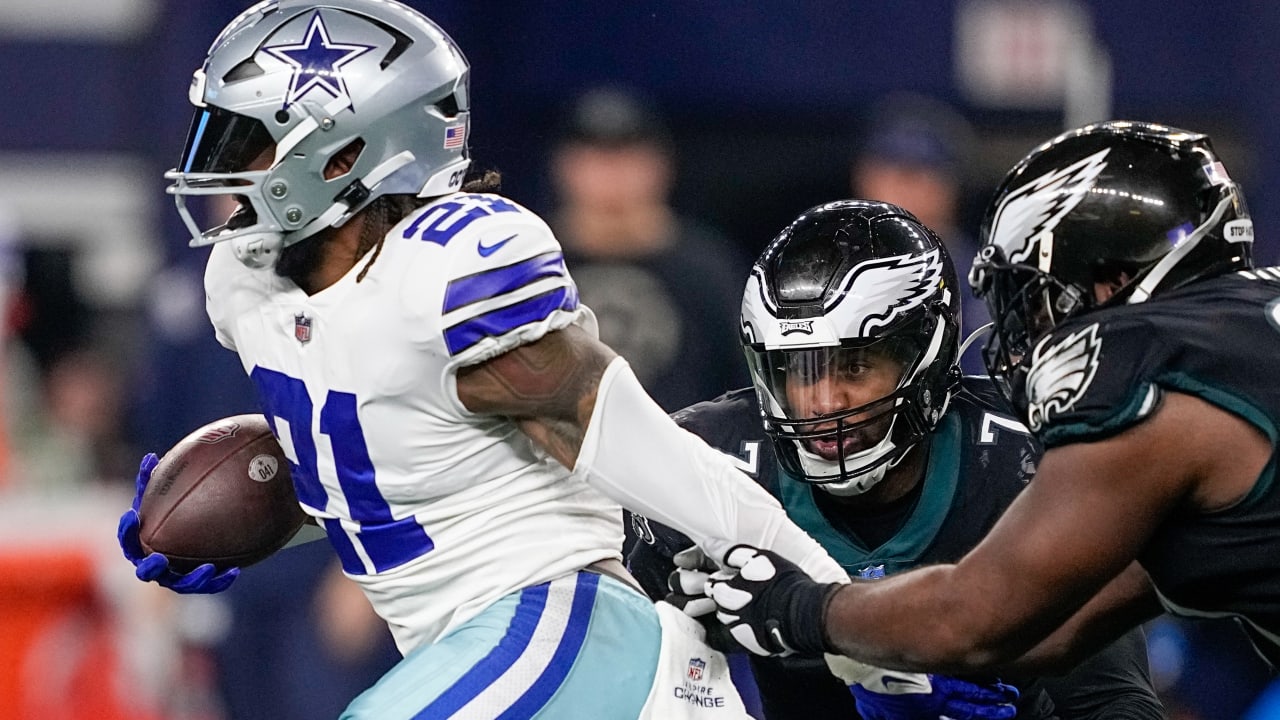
x: 258, y: 250
x: 1161, y: 269
x: 973, y: 337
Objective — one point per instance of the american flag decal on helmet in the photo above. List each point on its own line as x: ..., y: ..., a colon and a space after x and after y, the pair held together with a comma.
x: 454, y: 136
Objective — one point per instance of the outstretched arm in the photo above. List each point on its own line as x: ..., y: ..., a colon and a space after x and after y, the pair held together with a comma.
x: 574, y: 397
x: 1126, y: 602
x: 1083, y: 520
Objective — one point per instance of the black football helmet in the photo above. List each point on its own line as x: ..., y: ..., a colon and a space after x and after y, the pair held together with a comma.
x: 849, y: 284
x: 1142, y: 206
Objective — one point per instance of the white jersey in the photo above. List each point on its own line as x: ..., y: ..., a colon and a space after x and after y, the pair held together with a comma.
x: 435, y: 511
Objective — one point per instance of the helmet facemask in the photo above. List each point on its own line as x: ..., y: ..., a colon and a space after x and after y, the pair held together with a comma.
x: 822, y: 436
x: 220, y: 149
x: 1025, y: 303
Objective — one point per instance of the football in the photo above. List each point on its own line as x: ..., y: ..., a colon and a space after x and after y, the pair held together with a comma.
x: 222, y: 495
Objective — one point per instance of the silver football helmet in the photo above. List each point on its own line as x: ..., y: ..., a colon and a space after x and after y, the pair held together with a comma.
x: 289, y: 85
x: 849, y: 287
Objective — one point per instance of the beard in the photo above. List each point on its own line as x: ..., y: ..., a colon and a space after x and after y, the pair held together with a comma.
x: 298, y: 261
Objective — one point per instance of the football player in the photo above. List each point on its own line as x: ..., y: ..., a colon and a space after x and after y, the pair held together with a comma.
x: 1138, y: 342
x: 875, y: 445
x: 452, y: 422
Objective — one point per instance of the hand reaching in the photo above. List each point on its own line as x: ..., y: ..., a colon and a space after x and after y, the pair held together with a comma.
x: 154, y: 567
x: 890, y: 695
x: 688, y: 586
x: 769, y: 604
x: 688, y: 583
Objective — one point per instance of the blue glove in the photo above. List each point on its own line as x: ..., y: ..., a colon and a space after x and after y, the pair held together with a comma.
x: 897, y: 698
x: 155, y: 567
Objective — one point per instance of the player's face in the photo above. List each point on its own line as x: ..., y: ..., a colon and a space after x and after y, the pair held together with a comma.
x: 826, y: 382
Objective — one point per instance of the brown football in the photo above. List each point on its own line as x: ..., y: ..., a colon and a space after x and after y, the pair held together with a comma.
x: 222, y: 495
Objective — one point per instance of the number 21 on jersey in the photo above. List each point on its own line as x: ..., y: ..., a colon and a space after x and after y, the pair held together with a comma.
x: 372, y: 540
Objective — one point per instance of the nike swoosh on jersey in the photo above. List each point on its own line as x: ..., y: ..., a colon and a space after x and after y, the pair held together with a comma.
x: 487, y: 250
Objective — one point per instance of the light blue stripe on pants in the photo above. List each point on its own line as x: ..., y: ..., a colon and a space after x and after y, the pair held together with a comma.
x: 583, y: 646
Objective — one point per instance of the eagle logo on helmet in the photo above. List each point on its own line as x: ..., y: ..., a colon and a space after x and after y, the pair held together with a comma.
x: 1025, y: 220
x: 317, y: 62
x: 876, y: 293
x: 1060, y: 375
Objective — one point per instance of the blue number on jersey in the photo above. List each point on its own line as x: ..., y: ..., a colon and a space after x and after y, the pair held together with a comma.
x: 442, y: 222
x: 387, y: 542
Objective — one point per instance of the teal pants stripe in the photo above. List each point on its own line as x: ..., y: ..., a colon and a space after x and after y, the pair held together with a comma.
x: 580, y: 647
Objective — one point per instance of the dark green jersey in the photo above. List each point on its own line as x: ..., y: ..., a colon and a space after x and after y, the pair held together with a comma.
x: 1216, y: 339
x: 979, y: 459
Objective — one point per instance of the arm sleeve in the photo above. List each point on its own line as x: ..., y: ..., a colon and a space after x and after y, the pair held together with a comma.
x: 1114, y: 684
x: 637, y: 455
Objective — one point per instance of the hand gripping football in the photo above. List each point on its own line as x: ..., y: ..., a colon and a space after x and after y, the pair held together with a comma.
x: 222, y: 495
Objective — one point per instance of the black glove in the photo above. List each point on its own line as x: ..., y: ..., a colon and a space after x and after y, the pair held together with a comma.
x: 688, y: 592
x: 769, y: 604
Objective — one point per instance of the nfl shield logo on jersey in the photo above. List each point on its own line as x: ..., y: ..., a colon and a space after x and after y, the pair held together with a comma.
x: 696, y: 666
x: 302, y: 328
x: 871, y: 572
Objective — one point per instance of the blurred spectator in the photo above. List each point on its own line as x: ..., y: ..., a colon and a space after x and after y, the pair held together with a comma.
x: 302, y: 641
x: 10, y: 283
x: 914, y: 153
x: 63, y: 392
x: 75, y: 435
x: 665, y: 288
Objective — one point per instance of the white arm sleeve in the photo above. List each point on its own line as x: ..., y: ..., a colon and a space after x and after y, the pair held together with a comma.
x: 638, y: 456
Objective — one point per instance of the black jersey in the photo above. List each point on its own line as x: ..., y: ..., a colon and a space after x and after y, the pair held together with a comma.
x: 980, y: 458
x: 1216, y: 339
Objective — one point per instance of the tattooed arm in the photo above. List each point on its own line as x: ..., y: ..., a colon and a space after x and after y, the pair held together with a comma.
x: 548, y: 387
x: 580, y: 401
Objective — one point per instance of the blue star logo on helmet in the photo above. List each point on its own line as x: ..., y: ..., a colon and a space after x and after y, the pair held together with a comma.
x: 317, y: 62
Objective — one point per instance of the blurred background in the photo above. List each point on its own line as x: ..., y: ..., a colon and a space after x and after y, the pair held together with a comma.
x: 714, y: 122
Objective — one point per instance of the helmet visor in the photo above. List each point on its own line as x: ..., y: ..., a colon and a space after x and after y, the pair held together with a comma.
x: 221, y: 141
x: 834, y: 400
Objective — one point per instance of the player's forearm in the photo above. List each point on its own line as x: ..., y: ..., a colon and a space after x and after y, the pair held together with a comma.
x: 1124, y: 603
x: 923, y: 621
x: 634, y: 453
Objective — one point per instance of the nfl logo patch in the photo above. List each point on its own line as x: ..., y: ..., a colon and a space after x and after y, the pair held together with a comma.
x: 696, y: 666
x: 871, y: 572
x: 302, y: 328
